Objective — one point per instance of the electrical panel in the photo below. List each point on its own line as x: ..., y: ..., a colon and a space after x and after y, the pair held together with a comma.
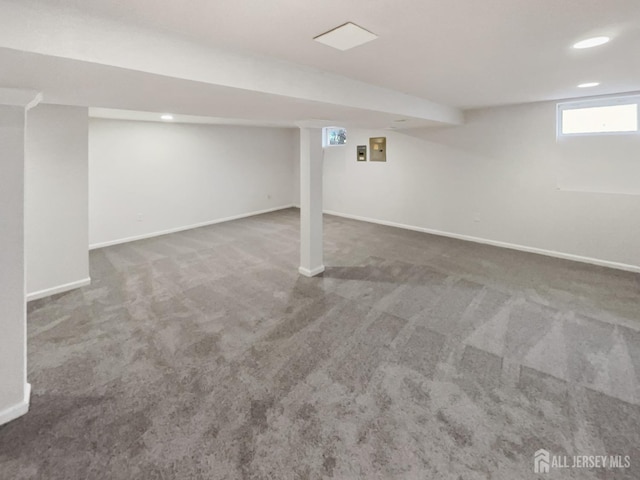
x: 378, y: 149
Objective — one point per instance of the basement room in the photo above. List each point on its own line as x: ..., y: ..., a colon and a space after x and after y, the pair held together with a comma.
x: 319, y: 240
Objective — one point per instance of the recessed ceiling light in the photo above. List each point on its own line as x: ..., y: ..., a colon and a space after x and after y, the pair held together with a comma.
x: 346, y: 36
x: 167, y: 116
x: 588, y: 84
x: 591, y: 42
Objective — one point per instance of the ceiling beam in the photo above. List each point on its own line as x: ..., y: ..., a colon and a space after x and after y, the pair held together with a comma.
x: 44, y: 30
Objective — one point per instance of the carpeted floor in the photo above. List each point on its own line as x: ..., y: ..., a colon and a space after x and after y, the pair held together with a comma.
x: 204, y: 355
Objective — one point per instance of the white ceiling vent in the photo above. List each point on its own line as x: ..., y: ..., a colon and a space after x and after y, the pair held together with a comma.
x: 346, y: 36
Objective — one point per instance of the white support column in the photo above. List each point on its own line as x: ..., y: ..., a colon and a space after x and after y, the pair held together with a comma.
x: 311, y: 154
x: 14, y: 389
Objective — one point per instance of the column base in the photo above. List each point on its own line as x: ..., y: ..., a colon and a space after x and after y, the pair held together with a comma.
x: 18, y: 410
x: 311, y: 273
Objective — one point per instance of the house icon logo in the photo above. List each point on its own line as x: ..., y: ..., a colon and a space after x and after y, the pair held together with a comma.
x: 541, y: 461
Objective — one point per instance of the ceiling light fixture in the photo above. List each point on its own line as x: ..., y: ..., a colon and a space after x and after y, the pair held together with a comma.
x: 167, y: 116
x: 346, y: 36
x: 591, y: 42
x: 588, y: 84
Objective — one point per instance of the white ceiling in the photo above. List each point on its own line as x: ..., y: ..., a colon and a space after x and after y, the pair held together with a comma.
x: 462, y: 53
x: 256, y: 61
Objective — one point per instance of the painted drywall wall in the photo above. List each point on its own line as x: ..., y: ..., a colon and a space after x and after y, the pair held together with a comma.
x: 13, y: 394
x: 56, y: 200
x: 501, y: 177
x: 148, y: 178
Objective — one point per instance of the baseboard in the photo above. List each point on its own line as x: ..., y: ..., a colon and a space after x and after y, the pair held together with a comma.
x: 311, y: 273
x: 47, y: 292
x: 18, y: 410
x: 186, y: 227
x: 495, y: 243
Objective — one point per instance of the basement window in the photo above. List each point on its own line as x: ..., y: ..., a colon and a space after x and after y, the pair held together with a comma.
x: 597, y: 117
x: 334, y: 136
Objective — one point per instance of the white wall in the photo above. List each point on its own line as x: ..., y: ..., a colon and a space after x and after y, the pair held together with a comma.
x: 56, y: 200
x: 502, y: 177
x: 147, y: 178
x: 13, y: 387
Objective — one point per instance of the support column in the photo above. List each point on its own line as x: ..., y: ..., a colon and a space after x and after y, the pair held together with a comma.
x: 311, y: 262
x: 14, y: 389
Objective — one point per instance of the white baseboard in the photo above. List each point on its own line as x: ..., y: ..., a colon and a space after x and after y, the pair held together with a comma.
x: 495, y: 243
x: 59, y: 289
x: 110, y: 243
x: 18, y: 410
x: 311, y: 273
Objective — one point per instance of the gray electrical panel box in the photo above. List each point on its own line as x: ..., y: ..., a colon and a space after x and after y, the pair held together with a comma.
x: 362, y: 153
x: 378, y: 149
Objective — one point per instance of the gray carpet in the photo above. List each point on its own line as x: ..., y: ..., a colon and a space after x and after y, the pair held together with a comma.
x: 204, y: 354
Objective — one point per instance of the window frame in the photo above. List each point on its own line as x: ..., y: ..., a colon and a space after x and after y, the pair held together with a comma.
x: 325, y: 137
x: 597, y: 102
